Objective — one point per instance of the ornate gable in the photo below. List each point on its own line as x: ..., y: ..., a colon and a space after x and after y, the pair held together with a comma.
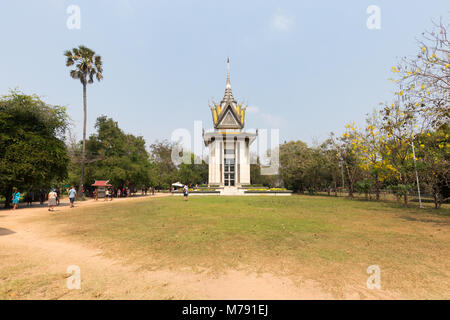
x: 229, y: 120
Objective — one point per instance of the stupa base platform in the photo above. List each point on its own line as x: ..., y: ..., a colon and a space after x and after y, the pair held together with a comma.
x: 237, y: 191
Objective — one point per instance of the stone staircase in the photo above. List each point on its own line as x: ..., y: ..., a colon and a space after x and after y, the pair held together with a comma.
x: 231, y: 191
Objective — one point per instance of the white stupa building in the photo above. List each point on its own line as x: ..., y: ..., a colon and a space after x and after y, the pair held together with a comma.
x: 229, y: 144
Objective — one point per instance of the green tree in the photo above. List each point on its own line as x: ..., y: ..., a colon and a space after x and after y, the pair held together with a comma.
x: 87, y: 66
x: 116, y: 156
x: 163, y: 171
x: 74, y: 148
x: 346, y: 148
x: 398, y: 130
x: 32, y: 148
x: 433, y: 162
x: 317, y: 173
x: 368, y: 144
x: 256, y: 178
x: 293, y: 158
x: 332, y: 164
x: 192, y: 172
x: 424, y: 94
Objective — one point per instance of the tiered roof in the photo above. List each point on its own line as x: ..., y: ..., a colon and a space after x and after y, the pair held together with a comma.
x: 228, y: 114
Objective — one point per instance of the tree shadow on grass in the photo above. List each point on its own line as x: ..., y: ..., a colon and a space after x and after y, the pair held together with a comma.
x: 427, y: 220
x: 5, y: 232
x: 34, y: 206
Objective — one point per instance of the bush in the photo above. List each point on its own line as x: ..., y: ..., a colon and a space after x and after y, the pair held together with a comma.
x: 364, y: 187
x: 400, y: 189
x: 252, y: 186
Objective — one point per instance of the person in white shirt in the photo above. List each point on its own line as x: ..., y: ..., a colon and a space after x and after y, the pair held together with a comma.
x: 185, y: 192
x: 52, y: 200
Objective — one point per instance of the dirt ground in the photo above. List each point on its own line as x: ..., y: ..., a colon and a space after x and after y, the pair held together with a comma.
x: 34, y: 262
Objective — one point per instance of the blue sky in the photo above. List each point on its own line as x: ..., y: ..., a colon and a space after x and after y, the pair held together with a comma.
x: 306, y: 67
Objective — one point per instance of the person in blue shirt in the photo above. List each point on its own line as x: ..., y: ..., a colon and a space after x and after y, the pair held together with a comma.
x: 16, y: 199
x: 72, y: 195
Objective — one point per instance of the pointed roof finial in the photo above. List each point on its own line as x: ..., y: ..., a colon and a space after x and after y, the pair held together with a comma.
x: 228, y: 97
x: 228, y: 73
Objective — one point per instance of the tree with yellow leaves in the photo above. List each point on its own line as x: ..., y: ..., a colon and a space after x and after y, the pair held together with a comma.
x: 348, y: 154
x: 433, y: 154
x: 426, y: 77
x: 369, y: 144
x: 398, y: 130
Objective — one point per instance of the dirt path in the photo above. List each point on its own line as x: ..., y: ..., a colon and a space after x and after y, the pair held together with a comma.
x: 43, y: 259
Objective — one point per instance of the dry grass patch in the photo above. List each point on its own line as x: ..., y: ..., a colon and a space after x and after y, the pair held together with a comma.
x: 329, y: 240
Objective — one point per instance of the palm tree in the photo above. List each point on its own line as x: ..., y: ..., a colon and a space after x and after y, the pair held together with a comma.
x: 87, y: 66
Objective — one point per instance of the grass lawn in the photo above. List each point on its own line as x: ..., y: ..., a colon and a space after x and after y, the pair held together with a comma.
x: 325, y: 239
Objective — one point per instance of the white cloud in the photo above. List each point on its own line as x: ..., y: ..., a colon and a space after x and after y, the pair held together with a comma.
x: 281, y: 22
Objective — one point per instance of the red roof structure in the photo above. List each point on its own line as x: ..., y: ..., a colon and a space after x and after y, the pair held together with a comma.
x: 101, y: 183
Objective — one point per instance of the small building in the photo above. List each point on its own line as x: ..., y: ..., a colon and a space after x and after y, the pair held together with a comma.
x: 229, y: 145
x: 100, y: 187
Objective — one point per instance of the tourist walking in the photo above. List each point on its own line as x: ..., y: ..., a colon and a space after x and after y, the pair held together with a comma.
x: 16, y: 199
x: 72, y: 194
x: 58, y: 196
x: 107, y: 195
x: 42, y: 194
x: 52, y: 200
x: 30, y: 197
x: 185, y: 192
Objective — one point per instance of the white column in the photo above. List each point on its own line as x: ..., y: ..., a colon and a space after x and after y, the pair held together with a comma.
x: 244, y: 162
x: 212, y: 163
x: 219, y: 159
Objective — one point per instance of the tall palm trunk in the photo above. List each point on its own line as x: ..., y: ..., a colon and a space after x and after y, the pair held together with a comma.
x: 83, y: 151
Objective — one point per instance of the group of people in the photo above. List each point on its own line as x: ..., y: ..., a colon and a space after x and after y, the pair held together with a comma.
x: 43, y: 195
x: 123, y: 192
x: 109, y: 194
x: 29, y: 198
x: 126, y: 192
x: 54, y: 197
